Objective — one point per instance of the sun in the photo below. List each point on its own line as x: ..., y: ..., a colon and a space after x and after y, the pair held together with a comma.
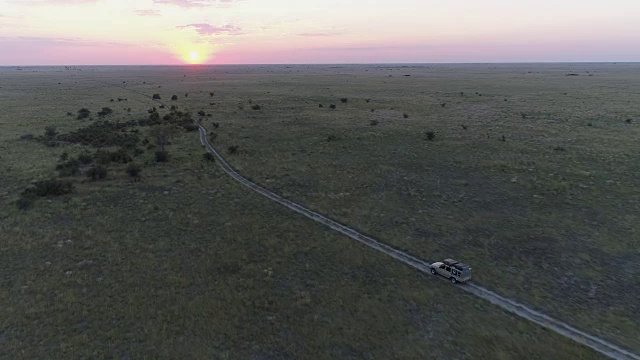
x: 194, y: 56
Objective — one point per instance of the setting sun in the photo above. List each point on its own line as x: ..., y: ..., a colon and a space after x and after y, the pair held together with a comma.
x: 194, y: 57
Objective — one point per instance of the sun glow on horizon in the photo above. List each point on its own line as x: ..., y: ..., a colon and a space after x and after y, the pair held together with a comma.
x: 194, y: 57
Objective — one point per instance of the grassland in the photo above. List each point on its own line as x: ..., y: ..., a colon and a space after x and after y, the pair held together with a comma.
x: 186, y: 263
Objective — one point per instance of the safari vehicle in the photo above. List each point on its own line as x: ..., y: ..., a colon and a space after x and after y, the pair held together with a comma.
x: 452, y: 270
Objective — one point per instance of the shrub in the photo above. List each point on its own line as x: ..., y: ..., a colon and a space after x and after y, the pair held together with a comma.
x: 215, y: 125
x: 162, y: 156
x: 26, y: 137
x: 332, y: 106
x: 134, y: 170
x: 374, y: 122
x: 256, y: 107
x: 211, y: 94
x: 52, y: 187
x: 208, y: 156
x: 97, y: 172
x: 443, y: 104
x: 465, y: 127
x: 186, y: 94
x: 24, y: 203
x: 85, y: 158
x: 405, y: 115
x: 201, y: 113
x: 190, y: 127
x: 368, y: 100
x: 173, y: 108
x: 233, y: 149
x: 320, y: 105
x: 107, y: 157
x: 69, y: 113
x: 156, y: 97
x: 128, y: 109
x: 430, y: 135
x: 344, y: 100
x: 629, y: 121
x: 102, y: 133
x: 174, y: 98
x: 83, y: 113
x: 50, y: 132
x: 373, y: 110
x: 331, y: 138
x: 105, y: 111
x: 69, y: 168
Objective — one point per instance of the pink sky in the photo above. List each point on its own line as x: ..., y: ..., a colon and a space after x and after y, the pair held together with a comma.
x: 106, y: 32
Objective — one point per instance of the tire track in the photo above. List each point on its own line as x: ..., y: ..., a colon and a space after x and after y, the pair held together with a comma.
x: 602, y: 346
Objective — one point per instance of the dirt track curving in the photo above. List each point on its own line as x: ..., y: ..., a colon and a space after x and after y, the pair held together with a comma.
x: 602, y: 346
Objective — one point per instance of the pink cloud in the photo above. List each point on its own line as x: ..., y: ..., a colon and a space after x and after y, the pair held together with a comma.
x: 208, y: 30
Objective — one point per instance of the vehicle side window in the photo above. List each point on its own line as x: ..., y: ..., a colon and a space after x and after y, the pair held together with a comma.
x: 442, y: 266
x: 448, y: 268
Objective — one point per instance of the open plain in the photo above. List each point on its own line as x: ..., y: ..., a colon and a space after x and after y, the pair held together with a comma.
x: 528, y: 172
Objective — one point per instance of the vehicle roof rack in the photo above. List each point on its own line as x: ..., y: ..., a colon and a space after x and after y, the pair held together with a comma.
x: 449, y: 262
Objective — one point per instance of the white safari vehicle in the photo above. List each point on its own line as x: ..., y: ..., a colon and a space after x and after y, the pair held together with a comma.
x: 452, y: 270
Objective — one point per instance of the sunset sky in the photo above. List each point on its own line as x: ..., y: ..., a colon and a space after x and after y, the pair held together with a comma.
x: 105, y: 32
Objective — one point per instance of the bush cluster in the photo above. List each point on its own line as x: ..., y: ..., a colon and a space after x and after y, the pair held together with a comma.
x: 102, y: 133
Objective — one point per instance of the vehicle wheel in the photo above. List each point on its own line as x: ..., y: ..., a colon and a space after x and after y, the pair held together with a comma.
x: 433, y: 271
x: 453, y: 280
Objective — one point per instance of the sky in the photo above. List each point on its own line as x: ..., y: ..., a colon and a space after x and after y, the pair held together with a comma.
x: 173, y: 32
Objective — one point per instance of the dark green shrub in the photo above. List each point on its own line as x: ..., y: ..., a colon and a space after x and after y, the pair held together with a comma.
x: 107, y: 157
x: 331, y: 138
x: 186, y: 94
x: 156, y: 97
x: 256, y: 107
x: 51, y: 187
x: 83, y: 113
x: 332, y: 106
x: 24, y: 203
x: 320, y: 105
x: 69, y: 168
x: 233, y: 149
x: 85, y: 158
x: 97, y: 172
x: 211, y: 94
x: 162, y: 156
x: 208, y: 156
x: 105, y: 111
x: 374, y: 122
x: 26, y: 137
x: 344, y: 100
x: 102, y: 133
x: 201, y: 113
x: 190, y: 127
x: 64, y: 156
x: 430, y: 135
x: 174, y: 98
x: 50, y: 132
x: 134, y: 170
x: 405, y: 115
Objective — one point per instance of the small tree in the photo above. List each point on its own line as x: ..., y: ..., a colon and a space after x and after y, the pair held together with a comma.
x: 332, y: 106
x: 256, y: 107
x: 430, y: 135
x: 162, y: 156
x: 105, y: 111
x: 174, y: 97
x: 156, y: 97
x: 405, y: 115
x: 233, y: 149
x: 162, y: 134
x: 134, y: 170
x: 83, y: 113
x: 97, y: 172
x: 50, y: 132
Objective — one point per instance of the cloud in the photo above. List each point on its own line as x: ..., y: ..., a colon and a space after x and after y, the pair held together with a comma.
x: 208, y: 30
x: 195, y: 3
x: 147, y: 12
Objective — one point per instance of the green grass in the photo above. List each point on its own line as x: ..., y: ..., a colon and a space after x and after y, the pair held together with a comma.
x: 187, y: 263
